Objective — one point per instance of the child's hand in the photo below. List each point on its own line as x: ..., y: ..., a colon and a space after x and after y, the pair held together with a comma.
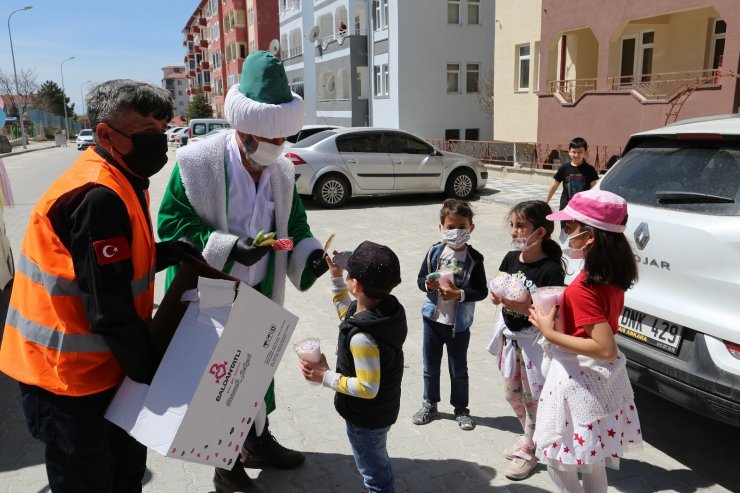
x: 431, y: 284
x: 314, y: 372
x: 518, y: 306
x: 495, y: 299
x: 334, y: 270
x: 545, y: 322
x: 449, y: 294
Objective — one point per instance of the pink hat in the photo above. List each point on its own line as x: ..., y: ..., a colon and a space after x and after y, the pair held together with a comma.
x: 597, y: 208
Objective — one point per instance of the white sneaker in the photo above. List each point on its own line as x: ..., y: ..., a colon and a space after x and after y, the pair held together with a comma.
x: 521, y: 465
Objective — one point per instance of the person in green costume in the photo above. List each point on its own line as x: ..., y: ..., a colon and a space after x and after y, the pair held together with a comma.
x: 222, y: 192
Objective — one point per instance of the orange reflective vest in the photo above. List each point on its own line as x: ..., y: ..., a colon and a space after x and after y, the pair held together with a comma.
x: 48, y: 342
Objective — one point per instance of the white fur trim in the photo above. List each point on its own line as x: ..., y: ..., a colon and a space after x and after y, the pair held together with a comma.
x: 218, y: 247
x: 298, y: 258
x: 262, y: 119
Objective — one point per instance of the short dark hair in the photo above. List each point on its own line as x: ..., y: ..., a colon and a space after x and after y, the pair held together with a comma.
x: 455, y: 207
x: 578, y: 143
x: 375, y: 266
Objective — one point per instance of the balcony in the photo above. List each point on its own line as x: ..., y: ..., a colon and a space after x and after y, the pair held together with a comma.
x: 570, y: 91
x: 290, y: 6
x: 662, y: 87
x: 189, y: 37
x: 202, y: 21
x: 206, y: 88
x: 205, y: 65
x: 204, y: 43
x: 292, y: 53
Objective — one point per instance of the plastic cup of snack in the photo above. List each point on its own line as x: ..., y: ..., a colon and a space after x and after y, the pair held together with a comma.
x: 309, y: 350
x: 547, y: 297
x: 497, y: 284
x: 446, y: 278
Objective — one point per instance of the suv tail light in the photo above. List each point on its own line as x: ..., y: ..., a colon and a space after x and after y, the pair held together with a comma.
x: 733, y: 348
x: 294, y: 158
x: 190, y: 132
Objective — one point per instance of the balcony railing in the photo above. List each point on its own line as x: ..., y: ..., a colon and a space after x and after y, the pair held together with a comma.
x: 664, y: 85
x: 571, y: 90
x: 290, y: 6
x: 292, y: 53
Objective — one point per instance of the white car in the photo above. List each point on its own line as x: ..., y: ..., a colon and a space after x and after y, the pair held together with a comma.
x: 84, y: 139
x: 680, y: 328
x: 337, y: 164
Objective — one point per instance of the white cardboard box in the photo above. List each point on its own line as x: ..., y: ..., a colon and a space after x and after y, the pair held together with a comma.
x: 213, y: 377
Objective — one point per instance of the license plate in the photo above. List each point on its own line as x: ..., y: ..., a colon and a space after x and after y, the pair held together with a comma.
x: 650, y: 330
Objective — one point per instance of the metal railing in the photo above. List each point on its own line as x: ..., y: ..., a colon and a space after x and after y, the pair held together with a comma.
x: 532, y: 155
x: 664, y: 85
x: 572, y: 89
x: 292, y: 53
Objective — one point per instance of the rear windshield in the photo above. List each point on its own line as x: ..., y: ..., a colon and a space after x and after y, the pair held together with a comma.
x: 691, y: 176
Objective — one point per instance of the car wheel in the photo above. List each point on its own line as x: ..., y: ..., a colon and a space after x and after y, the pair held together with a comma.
x: 331, y: 191
x: 461, y: 184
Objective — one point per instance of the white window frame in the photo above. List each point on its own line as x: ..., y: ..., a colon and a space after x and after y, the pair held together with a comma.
x: 378, y: 87
x: 385, y: 13
x: 473, y: 4
x: 385, y: 71
x: 637, y: 74
x: 521, y: 61
x: 472, y: 68
x: 716, y: 37
x: 376, y: 16
x: 454, y: 72
x: 452, y: 3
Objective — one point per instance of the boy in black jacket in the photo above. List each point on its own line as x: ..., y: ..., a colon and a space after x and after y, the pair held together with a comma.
x: 371, y: 337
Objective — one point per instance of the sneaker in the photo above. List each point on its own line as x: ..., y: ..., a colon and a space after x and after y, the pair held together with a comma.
x: 510, y: 451
x: 424, y: 415
x: 521, y: 466
x: 464, y: 421
x: 234, y: 480
x: 270, y: 454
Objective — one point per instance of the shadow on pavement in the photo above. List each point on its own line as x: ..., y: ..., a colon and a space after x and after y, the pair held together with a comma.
x: 640, y: 477
x: 389, y: 201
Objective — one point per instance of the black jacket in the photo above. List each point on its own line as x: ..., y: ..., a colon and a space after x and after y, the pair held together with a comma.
x: 386, y: 323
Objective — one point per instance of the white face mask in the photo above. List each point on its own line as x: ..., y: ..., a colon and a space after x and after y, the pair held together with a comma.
x: 266, y: 153
x: 455, y: 237
x: 574, y: 253
x: 522, y: 244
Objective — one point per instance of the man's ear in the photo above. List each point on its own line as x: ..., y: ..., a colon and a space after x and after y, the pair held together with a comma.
x: 102, y: 131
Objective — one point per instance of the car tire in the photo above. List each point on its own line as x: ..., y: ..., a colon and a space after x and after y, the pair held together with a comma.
x: 331, y: 191
x: 461, y: 184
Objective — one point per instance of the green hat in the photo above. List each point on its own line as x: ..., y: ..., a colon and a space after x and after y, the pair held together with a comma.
x: 264, y: 80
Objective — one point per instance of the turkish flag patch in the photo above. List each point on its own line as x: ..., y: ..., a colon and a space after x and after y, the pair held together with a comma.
x: 111, y: 250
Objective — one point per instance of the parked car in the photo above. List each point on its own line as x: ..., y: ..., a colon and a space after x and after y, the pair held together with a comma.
x: 180, y: 138
x: 680, y: 328
x: 307, y: 131
x: 201, y: 126
x: 84, y: 139
x: 172, y: 132
x: 205, y: 136
x: 334, y: 165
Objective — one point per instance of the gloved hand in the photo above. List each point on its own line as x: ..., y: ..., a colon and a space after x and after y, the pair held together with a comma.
x: 247, y: 254
x: 175, y: 251
x: 317, y: 263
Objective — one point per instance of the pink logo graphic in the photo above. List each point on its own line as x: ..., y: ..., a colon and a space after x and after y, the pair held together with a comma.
x: 218, y: 371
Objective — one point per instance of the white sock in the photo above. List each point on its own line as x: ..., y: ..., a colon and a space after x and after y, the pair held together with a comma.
x: 565, y: 481
x: 595, y: 481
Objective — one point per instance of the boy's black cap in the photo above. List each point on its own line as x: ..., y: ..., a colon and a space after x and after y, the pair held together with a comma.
x: 375, y: 266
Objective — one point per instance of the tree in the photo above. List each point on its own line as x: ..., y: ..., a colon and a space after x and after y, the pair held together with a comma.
x: 51, y: 99
x: 485, y: 92
x: 199, y: 106
x: 23, y: 97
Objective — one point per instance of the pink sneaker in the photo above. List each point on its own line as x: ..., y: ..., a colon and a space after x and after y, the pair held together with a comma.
x: 521, y: 465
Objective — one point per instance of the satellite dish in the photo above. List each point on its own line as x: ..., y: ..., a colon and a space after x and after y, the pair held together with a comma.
x: 330, y: 84
x: 274, y: 47
x: 313, y: 34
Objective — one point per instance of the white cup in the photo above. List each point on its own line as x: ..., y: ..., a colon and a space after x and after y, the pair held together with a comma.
x: 547, y: 297
x: 309, y: 350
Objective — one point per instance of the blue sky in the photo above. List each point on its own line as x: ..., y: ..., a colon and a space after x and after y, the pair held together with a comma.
x: 115, y: 39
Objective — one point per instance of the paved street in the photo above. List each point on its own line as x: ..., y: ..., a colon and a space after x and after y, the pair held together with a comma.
x: 683, y: 452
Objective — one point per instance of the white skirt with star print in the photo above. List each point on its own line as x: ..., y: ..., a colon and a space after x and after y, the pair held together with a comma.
x: 586, y: 415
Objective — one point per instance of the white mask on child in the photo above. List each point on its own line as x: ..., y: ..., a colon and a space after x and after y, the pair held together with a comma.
x: 575, y: 253
x: 522, y: 244
x: 456, y: 237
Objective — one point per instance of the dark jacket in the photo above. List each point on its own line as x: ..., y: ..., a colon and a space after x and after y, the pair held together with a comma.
x: 386, y: 323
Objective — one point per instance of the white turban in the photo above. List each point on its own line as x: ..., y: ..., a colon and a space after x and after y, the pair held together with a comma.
x: 263, y: 119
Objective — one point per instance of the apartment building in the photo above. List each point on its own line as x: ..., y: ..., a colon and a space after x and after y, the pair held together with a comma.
x: 218, y: 37
x: 607, y: 70
x: 175, y: 80
x: 410, y: 64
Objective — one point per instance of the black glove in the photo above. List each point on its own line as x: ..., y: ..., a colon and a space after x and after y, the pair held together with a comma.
x: 175, y: 251
x: 247, y: 254
x: 317, y: 263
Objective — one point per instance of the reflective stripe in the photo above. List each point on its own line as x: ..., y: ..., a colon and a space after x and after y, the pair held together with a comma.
x: 55, y: 286
x: 53, y: 339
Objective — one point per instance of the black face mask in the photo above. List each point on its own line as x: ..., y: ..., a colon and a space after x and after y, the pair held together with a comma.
x: 149, y: 153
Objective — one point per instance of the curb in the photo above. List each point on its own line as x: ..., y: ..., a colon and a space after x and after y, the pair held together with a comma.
x: 24, y: 151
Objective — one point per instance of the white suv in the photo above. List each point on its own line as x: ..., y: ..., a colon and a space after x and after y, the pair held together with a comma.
x: 680, y: 328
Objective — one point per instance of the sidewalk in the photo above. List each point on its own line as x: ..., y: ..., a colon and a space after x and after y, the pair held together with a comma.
x: 30, y: 147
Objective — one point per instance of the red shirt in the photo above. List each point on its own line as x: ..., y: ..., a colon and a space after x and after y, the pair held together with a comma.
x: 587, y: 304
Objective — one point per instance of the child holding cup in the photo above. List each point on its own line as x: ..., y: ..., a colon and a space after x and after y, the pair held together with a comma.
x: 535, y: 261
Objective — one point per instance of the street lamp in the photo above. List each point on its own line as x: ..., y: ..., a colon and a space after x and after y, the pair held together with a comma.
x: 82, y: 99
x: 64, y: 100
x: 17, y: 91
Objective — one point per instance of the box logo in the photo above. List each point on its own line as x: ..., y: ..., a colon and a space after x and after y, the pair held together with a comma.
x: 218, y: 370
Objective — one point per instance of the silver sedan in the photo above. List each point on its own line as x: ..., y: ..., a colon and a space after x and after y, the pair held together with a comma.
x: 334, y: 165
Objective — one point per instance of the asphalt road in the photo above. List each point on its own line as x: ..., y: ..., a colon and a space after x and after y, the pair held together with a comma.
x: 683, y: 451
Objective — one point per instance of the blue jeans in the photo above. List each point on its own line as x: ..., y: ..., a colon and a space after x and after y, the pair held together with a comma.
x: 371, y: 457
x: 436, y: 336
x: 85, y: 453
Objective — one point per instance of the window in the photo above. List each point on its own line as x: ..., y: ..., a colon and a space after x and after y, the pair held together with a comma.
x: 233, y: 79
x: 385, y: 13
x: 250, y: 15
x: 471, y: 79
x: 386, y: 79
x: 380, y: 15
x: 216, y: 30
x: 453, y: 12
x: 242, y: 50
x: 648, y: 38
x: 206, y: 77
x: 523, y: 67
x: 452, y: 134
x: 376, y: 15
x: 406, y: 144
x: 360, y: 142
x: 251, y: 46
x: 453, y: 77
x: 378, y: 85
x: 718, y: 43
x: 471, y: 133
x: 473, y: 12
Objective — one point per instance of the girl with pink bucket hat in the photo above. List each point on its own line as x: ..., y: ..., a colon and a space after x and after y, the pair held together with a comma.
x: 586, y: 416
